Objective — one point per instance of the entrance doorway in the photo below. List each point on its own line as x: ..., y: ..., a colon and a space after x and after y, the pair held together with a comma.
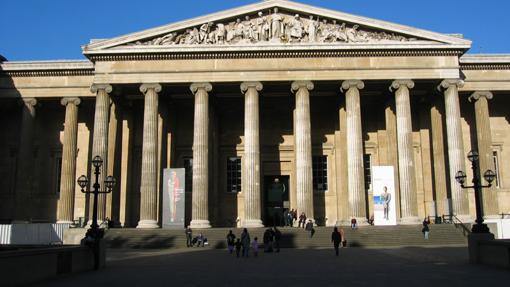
x: 276, y: 199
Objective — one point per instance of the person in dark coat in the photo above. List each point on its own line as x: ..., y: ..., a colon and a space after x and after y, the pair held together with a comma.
x: 302, y: 220
x: 277, y: 237
x: 336, y: 238
x: 189, y: 236
x: 246, y: 241
x: 238, y: 245
x: 231, y: 239
x: 268, y: 241
x: 309, y: 228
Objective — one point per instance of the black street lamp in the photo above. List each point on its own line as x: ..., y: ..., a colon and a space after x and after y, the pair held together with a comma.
x: 95, y: 232
x: 489, y: 176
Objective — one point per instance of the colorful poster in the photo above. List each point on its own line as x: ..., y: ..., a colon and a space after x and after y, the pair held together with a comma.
x: 173, y: 198
x: 383, y: 186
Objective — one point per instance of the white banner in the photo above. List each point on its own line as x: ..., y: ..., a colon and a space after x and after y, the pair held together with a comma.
x: 383, y: 185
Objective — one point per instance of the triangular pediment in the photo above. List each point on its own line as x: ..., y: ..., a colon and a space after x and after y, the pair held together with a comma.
x: 276, y: 24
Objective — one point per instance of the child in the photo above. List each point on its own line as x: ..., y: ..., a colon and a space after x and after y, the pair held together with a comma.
x: 255, y: 247
x: 238, y: 247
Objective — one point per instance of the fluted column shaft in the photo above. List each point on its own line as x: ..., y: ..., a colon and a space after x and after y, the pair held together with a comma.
x: 484, y: 142
x: 303, y: 137
x: 24, y: 173
x: 407, y: 180
x: 251, y: 166
x: 355, y: 171
x: 200, y: 197
x: 149, y: 181
x: 460, y: 204
x: 100, y: 141
x: 68, y: 172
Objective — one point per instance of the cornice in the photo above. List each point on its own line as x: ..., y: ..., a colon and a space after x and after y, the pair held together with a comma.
x: 271, y: 54
x: 47, y: 68
x: 485, y: 62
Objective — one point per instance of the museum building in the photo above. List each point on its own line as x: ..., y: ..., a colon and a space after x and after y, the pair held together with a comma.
x: 273, y: 92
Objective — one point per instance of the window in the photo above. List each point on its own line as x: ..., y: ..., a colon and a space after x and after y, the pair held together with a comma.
x: 58, y: 174
x: 367, y: 165
x: 495, y: 159
x: 320, y: 173
x: 188, y: 174
x: 233, y: 174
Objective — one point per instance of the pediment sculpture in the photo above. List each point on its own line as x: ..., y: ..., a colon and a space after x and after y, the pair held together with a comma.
x: 274, y: 27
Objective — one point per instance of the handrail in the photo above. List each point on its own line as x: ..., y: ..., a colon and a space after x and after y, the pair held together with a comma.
x: 460, y: 224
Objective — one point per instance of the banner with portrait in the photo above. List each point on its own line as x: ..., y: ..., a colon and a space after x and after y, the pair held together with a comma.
x: 173, y: 198
x: 383, y: 187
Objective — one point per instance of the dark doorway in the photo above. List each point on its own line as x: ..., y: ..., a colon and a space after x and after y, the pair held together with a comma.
x: 276, y: 199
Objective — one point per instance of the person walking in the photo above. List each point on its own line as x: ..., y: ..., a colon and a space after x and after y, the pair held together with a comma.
x: 277, y: 237
x: 189, y: 236
x: 336, y: 238
x: 302, y: 219
x: 238, y: 246
x: 245, y: 241
x: 231, y: 239
x: 268, y: 241
x: 255, y: 246
x: 344, y: 240
x: 425, y: 228
x: 309, y: 227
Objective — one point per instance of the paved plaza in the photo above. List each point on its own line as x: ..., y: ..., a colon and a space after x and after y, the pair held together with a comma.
x: 445, y: 266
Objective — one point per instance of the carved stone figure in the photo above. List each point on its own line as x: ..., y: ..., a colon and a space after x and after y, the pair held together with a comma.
x: 312, y: 29
x: 296, y: 28
x: 220, y: 33
x: 276, y: 25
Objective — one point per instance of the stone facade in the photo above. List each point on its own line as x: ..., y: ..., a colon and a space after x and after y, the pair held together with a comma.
x: 385, y: 95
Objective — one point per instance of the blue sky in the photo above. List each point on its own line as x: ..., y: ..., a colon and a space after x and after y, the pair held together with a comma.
x: 46, y: 30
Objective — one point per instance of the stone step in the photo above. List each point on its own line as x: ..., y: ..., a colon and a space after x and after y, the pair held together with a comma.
x: 366, y: 236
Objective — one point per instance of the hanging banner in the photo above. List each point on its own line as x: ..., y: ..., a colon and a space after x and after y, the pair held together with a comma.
x: 173, y: 198
x: 383, y: 186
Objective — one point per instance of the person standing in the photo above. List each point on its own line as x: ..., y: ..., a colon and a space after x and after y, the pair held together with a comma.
x: 245, y: 241
x: 336, y: 238
x: 238, y: 245
x: 425, y: 228
x: 231, y: 239
x: 189, y: 236
x: 286, y: 217
x: 268, y: 241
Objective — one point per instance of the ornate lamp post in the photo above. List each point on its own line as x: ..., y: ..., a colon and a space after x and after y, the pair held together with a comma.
x: 489, y: 176
x: 95, y: 233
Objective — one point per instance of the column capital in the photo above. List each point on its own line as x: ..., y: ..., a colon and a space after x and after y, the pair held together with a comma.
x: 246, y: 85
x: 70, y: 100
x: 397, y: 84
x: 97, y: 87
x: 346, y: 85
x: 447, y: 83
x: 145, y: 87
x: 296, y: 85
x: 31, y: 102
x: 478, y: 94
x: 202, y: 85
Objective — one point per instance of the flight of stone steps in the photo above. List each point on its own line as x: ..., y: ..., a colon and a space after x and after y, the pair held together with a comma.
x: 365, y: 236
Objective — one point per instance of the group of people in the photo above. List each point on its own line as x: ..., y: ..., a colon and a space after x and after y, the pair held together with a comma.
x: 199, y: 240
x: 242, y: 244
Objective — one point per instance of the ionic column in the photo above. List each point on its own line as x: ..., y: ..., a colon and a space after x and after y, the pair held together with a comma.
x: 200, y: 212
x: 24, y: 175
x: 100, y: 140
x: 251, y: 166
x: 149, y: 180
x: 408, y: 203
x: 355, y: 171
x: 68, y: 172
x: 303, y: 135
x: 456, y: 161
x: 484, y: 142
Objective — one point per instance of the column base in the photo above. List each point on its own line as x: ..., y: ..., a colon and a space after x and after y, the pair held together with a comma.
x: 411, y: 220
x: 65, y: 221
x: 147, y: 224
x: 253, y: 223
x: 200, y: 224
